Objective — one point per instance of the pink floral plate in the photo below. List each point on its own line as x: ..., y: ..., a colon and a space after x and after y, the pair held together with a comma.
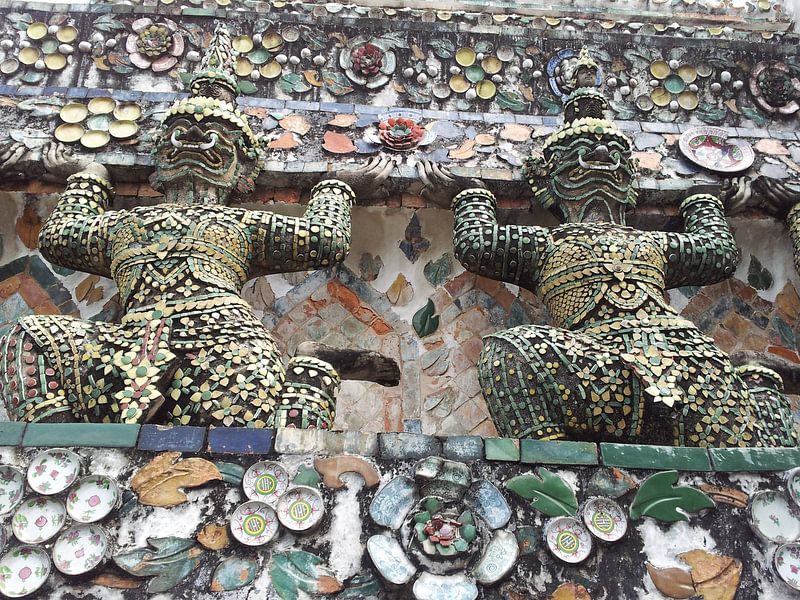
x: 12, y: 486
x: 23, y: 570
x: 711, y: 148
x: 568, y: 540
x: 254, y: 523
x: 92, y: 498
x: 80, y: 549
x: 774, y: 518
x: 265, y: 481
x: 301, y: 508
x: 53, y: 471
x: 786, y: 562
x: 38, y: 519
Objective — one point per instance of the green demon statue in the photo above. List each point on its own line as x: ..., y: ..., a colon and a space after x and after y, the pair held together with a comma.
x: 619, y: 364
x: 188, y: 349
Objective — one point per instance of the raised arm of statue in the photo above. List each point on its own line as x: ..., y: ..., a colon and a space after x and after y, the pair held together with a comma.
x: 76, y: 235
x: 320, y: 238
x: 706, y: 251
x: 510, y: 253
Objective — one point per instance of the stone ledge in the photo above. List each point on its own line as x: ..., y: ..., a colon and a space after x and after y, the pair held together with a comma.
x: 395, y: 446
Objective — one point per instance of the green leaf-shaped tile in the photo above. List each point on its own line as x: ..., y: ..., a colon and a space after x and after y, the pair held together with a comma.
x: 168, y: 560
x: 548, y: 493
x: 660, y: 498
x: 336, y: 83
x: 231, y: 472
x: 233, y: 573
x: 425, y: 322
x: 301, y: 571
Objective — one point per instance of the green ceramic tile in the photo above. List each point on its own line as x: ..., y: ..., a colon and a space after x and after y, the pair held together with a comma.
x: 501, y: 449
x: 558, y: 453
x: 11, y: 433
x: 97, y: 435
x: 635, y: 456
x: 755, y: 459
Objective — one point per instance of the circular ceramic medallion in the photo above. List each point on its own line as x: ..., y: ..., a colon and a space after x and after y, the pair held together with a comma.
x: 8, y: 66
x: 711, y: 148
x: 441, y: 90
x: 505, y: 53
x: 98, y: 122
x: 102, y: 105
x: 786, y: 562
x: 660, y: 96
x: 265, y: 481
x: 67, y: 34
x: 254, y: 523
x: 73, y: 112
x: 773, y: 517
x: 568, y: 540
x: 474, y: 73
x: 688, y: 73
x: 49, y: 45
x: 674, y: 84
x: 301, y: 508
x: 605, y: 519
x: 95, y: 139
x: 37, y: 31
x: 12, y: 486
x: 123, y: 129
x: 38, y: 519
x: 465, y: 57
x: 290, y: 34
x: 52, y: 471
x: 272, y: 41
x: 69, y: 132
x: 127, y: 111
x: 24, y: 570
x: 459, y: 84
x: 243, y: 44
x: 92, y: 498
x: 792, y: 485
x: 659, y: 69
x: 55, y: 62
x: 485, y: 89
x: 243, y: 67
x: 704, y: 70
x: 80, y: 549
x: 645, y: 103
x: 29, y: 55
x: 491, y: 64
x: 688, y: 100
x: 258, y: 56
x: 271, y: 70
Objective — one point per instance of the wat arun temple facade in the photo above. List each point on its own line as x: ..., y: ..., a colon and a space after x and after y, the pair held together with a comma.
x: 404, y: 300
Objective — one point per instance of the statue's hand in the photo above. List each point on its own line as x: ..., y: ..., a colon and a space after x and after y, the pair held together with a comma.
x: 60, y: 163
x: 776, y: 196
x: 441, y: 186
x: 736, y: 194
x: 11, y: 154
x: 367, y: 179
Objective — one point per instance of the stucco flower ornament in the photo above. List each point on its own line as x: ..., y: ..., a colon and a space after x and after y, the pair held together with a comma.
x: 774, y: 87
x: 367, y: 61
x: 154, y: 45
x: 444, y: 532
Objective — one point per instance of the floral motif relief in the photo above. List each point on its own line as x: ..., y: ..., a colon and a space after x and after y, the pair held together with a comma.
x: 154, y: 45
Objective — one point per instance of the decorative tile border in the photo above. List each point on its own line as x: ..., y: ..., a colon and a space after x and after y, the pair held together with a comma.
x: 396, y: 446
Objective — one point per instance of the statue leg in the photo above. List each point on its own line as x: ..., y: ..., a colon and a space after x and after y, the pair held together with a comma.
x: 228, y: 385
x: 308, y: 400
x: 773, y: 415
x: 40, y: 368
x: 549, y: 384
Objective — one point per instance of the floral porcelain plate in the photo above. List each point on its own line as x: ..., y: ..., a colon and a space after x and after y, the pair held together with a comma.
x: 786, y: 562
x: 23, y: 570
x: 254, y: 523
x: 793, y: 486
x: 80, y: 549
x: 711, y: 148
x: 301, y: 508
x: 773, y: 517
x: 605, y: 519
x: 38, y: 519
x: 12, y: 486
x: 568, y: 540
x: 92, y: 498
x: 53, y: 471
x: 265, y: 481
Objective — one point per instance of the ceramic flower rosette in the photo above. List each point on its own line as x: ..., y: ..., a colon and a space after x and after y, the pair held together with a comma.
x: 442, y: 531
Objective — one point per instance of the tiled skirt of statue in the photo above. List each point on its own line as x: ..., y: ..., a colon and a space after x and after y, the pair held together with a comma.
x: 657, y: 381
x: 190, y: 368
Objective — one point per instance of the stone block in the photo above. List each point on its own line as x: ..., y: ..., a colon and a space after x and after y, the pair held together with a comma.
x: 635, y: 456
x: 408, y: 445
x: 361, y: 443
x: 240, y: 440
x: 558, y: 453
x: 11, y: 433
x: 161, y: 438
x: 754, y: 459
x: 505, y: 449
x: 290, y: 440
x: 463, y: 447
x: 94, y: 435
